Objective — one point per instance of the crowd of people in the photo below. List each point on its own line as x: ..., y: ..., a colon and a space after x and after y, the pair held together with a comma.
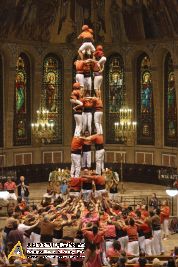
x: 85, y: 212
x: 20, y: 190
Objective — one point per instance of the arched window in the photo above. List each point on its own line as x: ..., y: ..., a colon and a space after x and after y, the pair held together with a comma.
x: 22, y: 103
x: 1, y: 102
x: 145, y: 109
x: 170, y: 112
x: 52, y: 92
x: 115, y: 93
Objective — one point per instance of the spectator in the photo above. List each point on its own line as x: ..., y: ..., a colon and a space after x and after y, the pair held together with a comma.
x: 15, y: 235
x: 92, y: 258
x: 10, y: 186
x: 171, y: 263
x: 156, y: 263
x: 113, y: 252
x: 95, y: 236
x: 23, y: 189
x: 154, y: 202
x: 165, y: 213
x: 64, y: 189
x: 141, y: 262
x: 18, y: 263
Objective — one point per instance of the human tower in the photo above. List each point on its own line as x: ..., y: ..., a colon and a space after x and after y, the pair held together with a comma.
x: 87, y: 105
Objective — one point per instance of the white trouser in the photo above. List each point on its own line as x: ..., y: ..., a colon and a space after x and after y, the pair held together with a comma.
x: 86, y: 194
x: 141, y: 241
x: 133, y: 248
x: 99, y: 155
x: 87, y: 83
x: 80, y: 79
x: 78, y: 124
x: 98, y: 115
x: 102, y: 60
x: 35, y: 238
x: 165, y: 227
x: 98, y: 81
x: 12, y: 196
x: 108, y: 243
x: 87, y: 46
x: 75, y: 165
x: 86, y: 121
x: 74, y: 194
x: 157, y: 242
x: 124, y: 242
x: 149, y: 249
x: 113, y: 196
x: 86, y: 159
x: 99, y: 193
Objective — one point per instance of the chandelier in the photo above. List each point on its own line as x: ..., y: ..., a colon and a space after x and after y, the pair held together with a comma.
x: 43, y: 129
x: 125, y: 128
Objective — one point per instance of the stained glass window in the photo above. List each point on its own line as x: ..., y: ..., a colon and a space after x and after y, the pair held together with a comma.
x: 22, y: 111
x: 145, y: 109
x: 1, y: 102
x: 170, y: 112
x: 53, y: 94
x: 114, y: 92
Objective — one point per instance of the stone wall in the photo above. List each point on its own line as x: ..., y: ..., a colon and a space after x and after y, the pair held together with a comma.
x: 156, y: 50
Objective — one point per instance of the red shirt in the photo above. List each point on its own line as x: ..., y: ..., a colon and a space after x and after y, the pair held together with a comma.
x: 86, y: 35
x: 75, y: 94
x: 98, y: 104
x: 10, y: 185
x: 96, y: 239
x: 76, y: 144
x: 110, y: 230
x: 165, y: 213
x: 99, y: 180
x: 111, y: 252
x: 132, y: 232
x: 97, y: 139
x: 79, y: 66
x: 87, y: 102
x: 75, y: 184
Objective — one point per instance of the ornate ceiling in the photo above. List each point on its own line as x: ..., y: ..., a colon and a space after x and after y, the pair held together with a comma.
x: 60, y: 21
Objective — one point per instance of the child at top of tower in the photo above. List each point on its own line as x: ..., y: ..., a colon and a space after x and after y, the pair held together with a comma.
x: 87, y: 37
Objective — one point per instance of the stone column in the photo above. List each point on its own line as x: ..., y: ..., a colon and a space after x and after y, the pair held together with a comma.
x: 158, y: 94
x: 36, y: 87
x: 130, y: 100
x: 175, y: 62
x: 9, y: 100
x: 107, y: 20
x: 67, y: 134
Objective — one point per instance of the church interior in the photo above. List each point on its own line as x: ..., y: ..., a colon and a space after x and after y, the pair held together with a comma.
x: 89, y: 130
